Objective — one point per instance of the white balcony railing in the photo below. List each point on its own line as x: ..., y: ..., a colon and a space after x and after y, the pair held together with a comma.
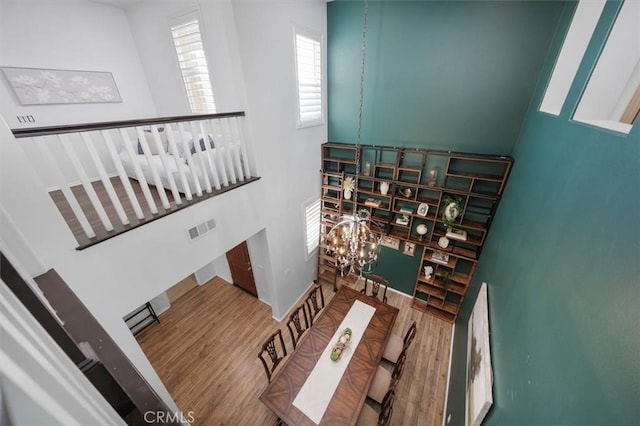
x: 108, y: 178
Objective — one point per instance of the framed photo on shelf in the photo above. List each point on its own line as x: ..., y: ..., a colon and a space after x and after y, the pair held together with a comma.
x: 423, y: 209
x: 390, y: 242
x: 440, y: 257
x: 457, y: 234
x: 409, y: 249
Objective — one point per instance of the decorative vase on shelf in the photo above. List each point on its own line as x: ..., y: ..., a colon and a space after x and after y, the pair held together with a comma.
x: 347, y: 194
x: 443, y: 242
x: 384, y: 188
x: 428, y: 272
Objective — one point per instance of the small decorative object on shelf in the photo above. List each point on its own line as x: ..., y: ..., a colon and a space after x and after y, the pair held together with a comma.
x: 403, y: 220
x: 409, y: 249
x: 457, y: 234
x: 428, y: 272
x: 406, y: 210
x: 341, y: 344
x: 348, y: 186
x: 407, y: 192
x: 433, y: 176
x: 367, y: 169
x: 390, y: 242
x: 443, y: 242
x: 423, y: 209
x: 422, y: 230
x: 372, y: 202
x: 452, y: 209
x: 440, y: 257
x: 384, y: 188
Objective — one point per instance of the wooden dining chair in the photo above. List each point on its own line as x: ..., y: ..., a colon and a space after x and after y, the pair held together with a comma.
x: 369, y: 416
x: 272, y: 353
x: 397, y: 344
x: 376, y: 283
x: 385, y: 381
x: 314, y: 302
x: 296, y: 325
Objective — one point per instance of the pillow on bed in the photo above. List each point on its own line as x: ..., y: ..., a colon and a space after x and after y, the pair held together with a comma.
x: 176, y: 136
x: 212, y: 144
x: 148, y: 134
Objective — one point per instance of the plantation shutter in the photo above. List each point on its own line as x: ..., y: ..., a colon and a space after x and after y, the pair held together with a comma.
x: 312, y: 219
x: 193, y: 66
x: 309, y: 75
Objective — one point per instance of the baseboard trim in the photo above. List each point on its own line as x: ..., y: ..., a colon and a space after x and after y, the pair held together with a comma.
x: 304, y: 293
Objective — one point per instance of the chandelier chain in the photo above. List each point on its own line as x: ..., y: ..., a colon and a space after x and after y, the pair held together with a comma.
x: 361, y: 105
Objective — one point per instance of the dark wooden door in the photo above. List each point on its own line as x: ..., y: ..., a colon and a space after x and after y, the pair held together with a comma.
x: 240, y: 266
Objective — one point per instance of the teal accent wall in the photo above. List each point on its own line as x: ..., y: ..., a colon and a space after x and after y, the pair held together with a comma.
x: 400, y: 269
x: 562, y: 263
x: 452, y: 75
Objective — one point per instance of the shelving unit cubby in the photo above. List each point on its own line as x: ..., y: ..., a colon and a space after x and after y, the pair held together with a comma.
x: 418, y: 181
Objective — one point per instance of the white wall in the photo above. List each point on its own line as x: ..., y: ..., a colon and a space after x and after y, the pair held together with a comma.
x: 150, y: 24
x: 115, y: 276
x: 71, y: 35
x: 288, y: 158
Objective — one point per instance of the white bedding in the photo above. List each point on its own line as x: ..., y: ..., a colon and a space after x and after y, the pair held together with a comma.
x: 204, y: 162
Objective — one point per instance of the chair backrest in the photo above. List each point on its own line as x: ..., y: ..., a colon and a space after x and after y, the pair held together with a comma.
x: 315, y: 302
x: 377, y: 283
x: 409, y: 336
x: 398, y: 369
x: 296, y: 325
x: 272, y: 354
x: 387, y: 408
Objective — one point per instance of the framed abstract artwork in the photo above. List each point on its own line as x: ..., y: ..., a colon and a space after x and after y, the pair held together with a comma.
x: 36, y: 86
x: 479, y: 397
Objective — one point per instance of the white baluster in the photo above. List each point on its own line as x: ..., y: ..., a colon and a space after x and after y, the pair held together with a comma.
x: 195, y: 171
x: 220, y: 151
x: 86, y: 184
x: 201, y: 156
x: 235, y: 137
x: 44, y: 147
x: 177, y: 161
x: 211, y: 152
x: 243, y: 146
x: 228, y: 157
x: 165, y: 165
x: 144, y: 186
x: 124, y: 179
x: 115, y: 201
x: 142, y: 140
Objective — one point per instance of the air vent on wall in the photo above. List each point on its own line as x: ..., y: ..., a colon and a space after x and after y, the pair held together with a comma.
x: 201, y: 229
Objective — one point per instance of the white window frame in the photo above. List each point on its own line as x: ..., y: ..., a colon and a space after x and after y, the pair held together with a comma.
x: 574, y: 46
x: 311, y: 247
x: 181, y: 19
x: 298, y: 31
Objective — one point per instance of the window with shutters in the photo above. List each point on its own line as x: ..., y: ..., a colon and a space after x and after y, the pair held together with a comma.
x: 308, y: 52
x: 312, y: 225
x: 187, y: 39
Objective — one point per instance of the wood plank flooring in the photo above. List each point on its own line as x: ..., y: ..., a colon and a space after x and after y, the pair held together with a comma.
x: 94, y: 220
x: 206, y: 345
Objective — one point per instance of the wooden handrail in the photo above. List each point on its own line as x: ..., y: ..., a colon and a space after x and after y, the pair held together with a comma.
x: 75, y: 128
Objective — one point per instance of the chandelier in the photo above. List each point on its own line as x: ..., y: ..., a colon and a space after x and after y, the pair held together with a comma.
x: 351, y: 241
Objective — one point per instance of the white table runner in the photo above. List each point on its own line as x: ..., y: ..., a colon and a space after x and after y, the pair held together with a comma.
x: 317, y: 391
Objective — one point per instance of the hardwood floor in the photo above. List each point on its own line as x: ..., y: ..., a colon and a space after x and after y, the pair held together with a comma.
x: 94, y: 220
x: 206, y: 345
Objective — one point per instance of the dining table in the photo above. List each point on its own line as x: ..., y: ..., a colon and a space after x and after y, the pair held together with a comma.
x: 310, y: 388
